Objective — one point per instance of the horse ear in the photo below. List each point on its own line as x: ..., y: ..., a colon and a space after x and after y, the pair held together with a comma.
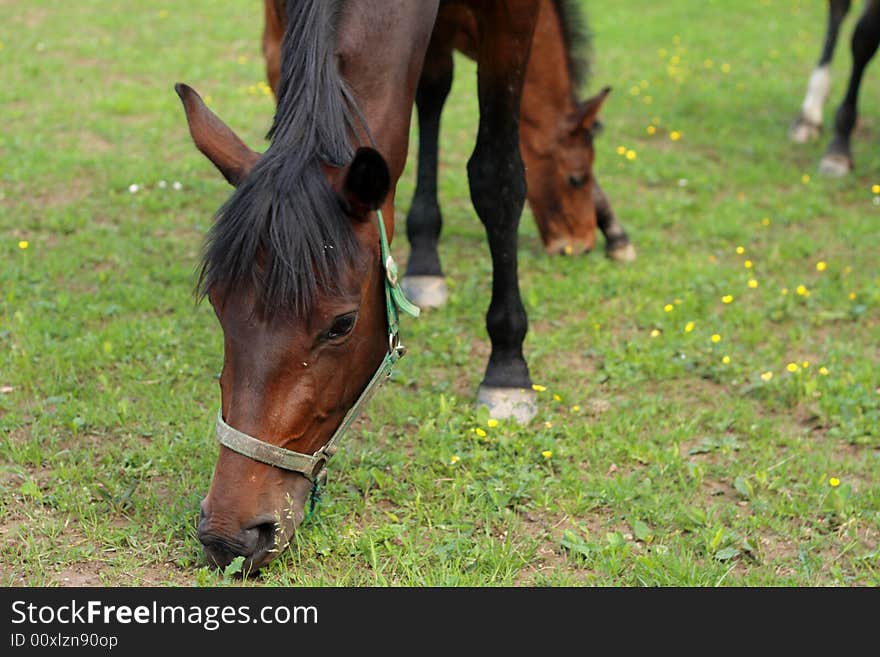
x: 367, y: 181
x: 585, y: 114
x: 215, y: 139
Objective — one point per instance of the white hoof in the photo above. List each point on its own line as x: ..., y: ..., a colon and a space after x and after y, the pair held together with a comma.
x: 623, y: 253
x: 835, y: 166
x: 519, y: 404
x: 802, y: 132
x: 425, y: 291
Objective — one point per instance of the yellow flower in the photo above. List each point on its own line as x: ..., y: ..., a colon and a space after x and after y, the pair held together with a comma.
x: 630, y: 155
x: 747, y: 264
x: 546, y: 453
x: 784, y: 291
x: 677, y: 302
x: 675, y: 135
x: 655, y: 333
x: 727, y: 298
x: 765, y: 221
x: 875, y: 189
x: 621, y: 150
x: 668, y: 307
x: 23, y: 244
x: 651, y: 129
x: 688, y: 327
x: 726, y: 360
x: 792, y: 367
x: 821, y: 265
x: 852, y: 296
x: 725, y: 68
x: 538, y: 387
x: 715, y: 338
x: 575, y: 408
x: 740, y: 250
x: 823, y: 371
x: 805, y: 364
x: 805, y: 178
x: 802, y: 291
x: 492, y: 422
x: 480, y: 431
x: 753, y: 283
x: 767, y: 376
x: 556, y: 397
x: 455, y: 459
x: 834, y: 482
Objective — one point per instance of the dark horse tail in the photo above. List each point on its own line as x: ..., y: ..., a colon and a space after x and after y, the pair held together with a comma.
x: 283, y: 232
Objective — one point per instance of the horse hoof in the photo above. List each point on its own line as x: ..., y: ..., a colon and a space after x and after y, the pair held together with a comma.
x: 803, y: 131
x: 622, y: 252
x: 425, y: 291
x: 835, y: 166
x: 519, y: 404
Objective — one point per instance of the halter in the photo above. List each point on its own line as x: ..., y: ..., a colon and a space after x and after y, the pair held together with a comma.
x: 314, y: 466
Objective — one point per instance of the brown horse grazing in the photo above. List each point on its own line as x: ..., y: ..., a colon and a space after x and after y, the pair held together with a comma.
x: 556, y: 138
x: 297, y: 265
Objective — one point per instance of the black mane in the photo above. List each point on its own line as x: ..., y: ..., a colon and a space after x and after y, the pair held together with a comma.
x: 578, y: 39
x: 283, y: 233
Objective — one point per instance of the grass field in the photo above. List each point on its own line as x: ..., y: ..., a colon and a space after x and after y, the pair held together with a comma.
x: 660, y: 456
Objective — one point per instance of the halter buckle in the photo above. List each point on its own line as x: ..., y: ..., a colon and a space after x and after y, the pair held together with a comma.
x: 391, y: 270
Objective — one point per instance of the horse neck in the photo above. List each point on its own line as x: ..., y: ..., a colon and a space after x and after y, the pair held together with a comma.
x: 548, y: 91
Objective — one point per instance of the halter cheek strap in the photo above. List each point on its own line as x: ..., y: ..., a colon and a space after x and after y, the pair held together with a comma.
x: 314, y: 466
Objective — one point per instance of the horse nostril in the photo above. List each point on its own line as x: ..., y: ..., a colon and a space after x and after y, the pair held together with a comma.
x: 267, y: 536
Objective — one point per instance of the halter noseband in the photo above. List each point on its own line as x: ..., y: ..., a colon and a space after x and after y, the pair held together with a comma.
x: 314, y: 466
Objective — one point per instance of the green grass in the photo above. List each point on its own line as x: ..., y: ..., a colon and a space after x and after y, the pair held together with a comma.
x: 652, y: 461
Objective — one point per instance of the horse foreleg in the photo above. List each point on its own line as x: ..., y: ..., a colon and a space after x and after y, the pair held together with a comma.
x: 838, y: 160
x: 617, y: 244
x: 498, y: 190
x: 808, y: 124
x: 424, y: 282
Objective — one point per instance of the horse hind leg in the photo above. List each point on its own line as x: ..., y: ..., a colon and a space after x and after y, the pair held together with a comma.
x: 424, y: 282
x: 808, y: 123
x: 837, y: 160
x: 498, y: 190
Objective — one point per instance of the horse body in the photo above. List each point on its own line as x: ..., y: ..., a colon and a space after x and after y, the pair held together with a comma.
x: 294, y: 263
x: 556, y: 138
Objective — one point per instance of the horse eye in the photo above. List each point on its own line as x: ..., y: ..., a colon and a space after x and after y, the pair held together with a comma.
x: 577, y: 181
x: 597, y: 127
x: 342, y: 326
